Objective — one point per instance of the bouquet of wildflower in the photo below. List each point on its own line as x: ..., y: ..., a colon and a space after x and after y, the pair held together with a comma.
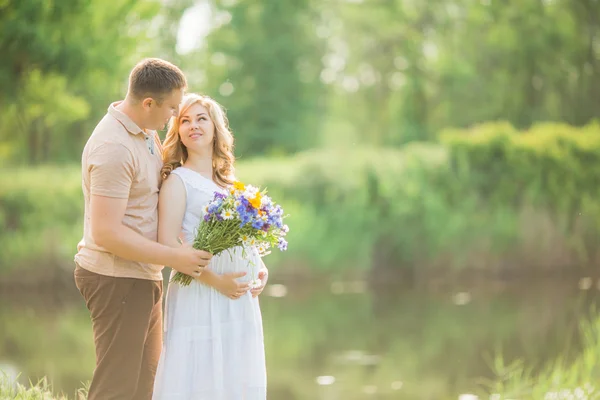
x: 245, y: 217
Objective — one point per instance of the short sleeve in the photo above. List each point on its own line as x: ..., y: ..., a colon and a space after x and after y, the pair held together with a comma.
x: 111, y: 170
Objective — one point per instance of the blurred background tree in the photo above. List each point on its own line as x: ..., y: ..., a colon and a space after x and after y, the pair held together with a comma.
x: 307, y: 82
x: 296, y: 75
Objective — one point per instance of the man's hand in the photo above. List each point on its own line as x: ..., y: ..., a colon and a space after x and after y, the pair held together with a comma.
x: 263, y: 276
x: 190, y: 261
x: 228, y: 286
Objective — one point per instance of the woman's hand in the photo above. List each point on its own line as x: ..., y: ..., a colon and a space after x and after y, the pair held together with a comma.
x: 228, y: 286
x: 263, y: 276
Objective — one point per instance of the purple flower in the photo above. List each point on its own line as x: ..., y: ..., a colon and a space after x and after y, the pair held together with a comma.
x: 220, y: 196
x: 277, y: 211
x: 275, y: 220
x: 282, y: 244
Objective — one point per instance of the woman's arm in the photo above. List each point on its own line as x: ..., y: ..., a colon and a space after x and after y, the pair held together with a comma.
x: 171, y: 210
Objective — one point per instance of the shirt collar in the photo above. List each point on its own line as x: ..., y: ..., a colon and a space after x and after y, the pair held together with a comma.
x: 124, y: 119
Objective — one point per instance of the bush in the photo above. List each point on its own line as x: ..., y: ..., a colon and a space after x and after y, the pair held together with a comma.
x: 488, y: 198
x: 41, y: 216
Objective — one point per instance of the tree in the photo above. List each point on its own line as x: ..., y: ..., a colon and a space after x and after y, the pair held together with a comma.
x: 61, y: 68
x: 263, y: 63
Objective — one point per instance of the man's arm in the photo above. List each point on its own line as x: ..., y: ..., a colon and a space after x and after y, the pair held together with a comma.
x: 109, y: 232
x: 111, y: 175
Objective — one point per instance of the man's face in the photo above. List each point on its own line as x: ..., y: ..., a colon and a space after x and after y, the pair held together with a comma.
x: 159, y: 114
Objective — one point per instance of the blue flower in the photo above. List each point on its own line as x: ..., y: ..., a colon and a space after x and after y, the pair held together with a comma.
x: 257, y: 224
x: 244, y: 217
x: 242, y: 211
x: 213, y: 208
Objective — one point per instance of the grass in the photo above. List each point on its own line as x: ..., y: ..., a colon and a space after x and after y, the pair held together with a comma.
x: 562, y: 379
x: 42, y: 390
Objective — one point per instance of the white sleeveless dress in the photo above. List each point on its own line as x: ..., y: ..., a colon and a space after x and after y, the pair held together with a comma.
x: 213, y: 346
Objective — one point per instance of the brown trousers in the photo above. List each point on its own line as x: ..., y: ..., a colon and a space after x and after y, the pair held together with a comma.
x: 127, y: 323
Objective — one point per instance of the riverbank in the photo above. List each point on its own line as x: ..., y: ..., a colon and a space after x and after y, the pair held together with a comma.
x: 490, y: 202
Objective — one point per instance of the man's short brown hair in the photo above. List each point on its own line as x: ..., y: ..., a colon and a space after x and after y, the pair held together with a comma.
x: 156, y: 78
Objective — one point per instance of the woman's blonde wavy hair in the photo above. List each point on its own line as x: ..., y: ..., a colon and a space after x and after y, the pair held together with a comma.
x: 175, y: 153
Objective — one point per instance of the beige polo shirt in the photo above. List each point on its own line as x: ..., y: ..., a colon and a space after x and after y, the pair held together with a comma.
x: 122, y: 161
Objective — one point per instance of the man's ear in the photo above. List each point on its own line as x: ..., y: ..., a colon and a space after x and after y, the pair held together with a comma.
x: 147, y: 102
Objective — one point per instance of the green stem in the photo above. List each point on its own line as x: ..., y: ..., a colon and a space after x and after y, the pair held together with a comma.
x: 213, y: 237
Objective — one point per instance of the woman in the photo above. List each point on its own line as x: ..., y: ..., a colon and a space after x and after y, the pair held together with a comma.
x: 213, y: 344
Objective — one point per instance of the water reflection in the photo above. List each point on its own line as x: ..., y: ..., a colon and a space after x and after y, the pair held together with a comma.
x: 340, y: 340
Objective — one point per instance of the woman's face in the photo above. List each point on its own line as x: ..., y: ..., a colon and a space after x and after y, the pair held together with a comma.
x: 196, y: 129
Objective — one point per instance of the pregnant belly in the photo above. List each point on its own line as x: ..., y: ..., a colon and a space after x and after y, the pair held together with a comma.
x: 237, y: 260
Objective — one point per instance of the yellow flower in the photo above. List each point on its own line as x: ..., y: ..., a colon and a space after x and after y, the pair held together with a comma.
x: 256, y: 200
x: 239, y: 185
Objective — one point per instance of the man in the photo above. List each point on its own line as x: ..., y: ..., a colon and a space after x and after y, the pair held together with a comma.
x: 119, y: 261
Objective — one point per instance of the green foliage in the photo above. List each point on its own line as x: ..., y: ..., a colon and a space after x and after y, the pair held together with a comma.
x: 551, y: 167
x: 263, y: 66
x: 27, y: 121
x: 41, y: 390
x: 561, y: 379
x: 487, y: 198
x: 63, y: 63
x: 41, y: 216
x: 400, y: 71
x: 294, y: 74
x: 537, y: 165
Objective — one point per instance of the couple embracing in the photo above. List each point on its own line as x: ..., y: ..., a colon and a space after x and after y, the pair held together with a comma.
x: 143, y: 202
